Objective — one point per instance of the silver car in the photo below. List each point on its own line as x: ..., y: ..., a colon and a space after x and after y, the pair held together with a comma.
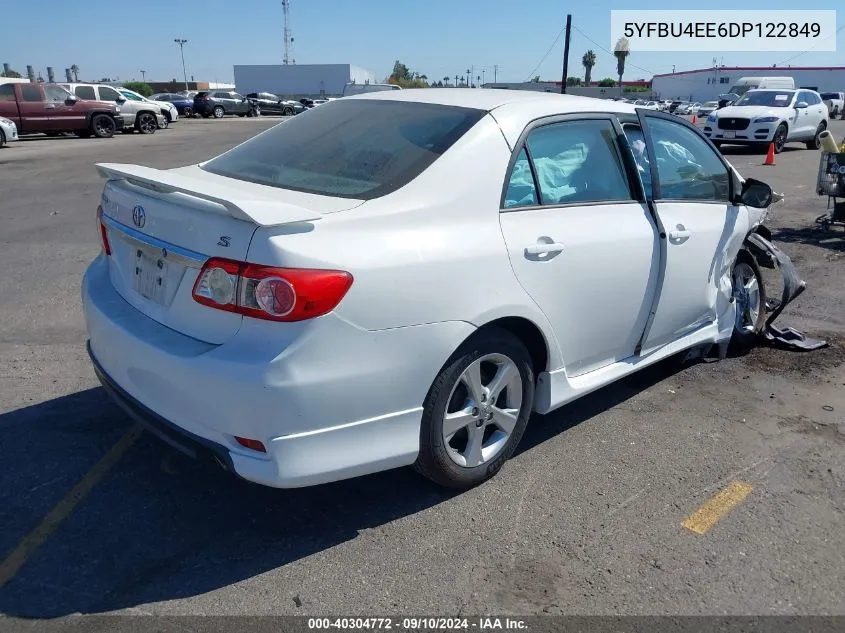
x: 8, y: 131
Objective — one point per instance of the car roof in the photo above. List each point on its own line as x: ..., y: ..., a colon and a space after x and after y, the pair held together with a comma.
x: 491, y: 98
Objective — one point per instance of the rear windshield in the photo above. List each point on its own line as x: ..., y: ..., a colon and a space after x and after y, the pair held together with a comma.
x: 829, y: 95
x: 349, y: 148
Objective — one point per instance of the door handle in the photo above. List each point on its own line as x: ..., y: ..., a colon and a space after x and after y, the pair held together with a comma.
x: 540, y: 249
x: 679, y: 234
x: 49, y: 106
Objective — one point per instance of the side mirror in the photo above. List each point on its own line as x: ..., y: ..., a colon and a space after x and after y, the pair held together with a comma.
x: 120, y: 100
x: 756, y: 194
x: 801, y: 105
x: 71, y: 99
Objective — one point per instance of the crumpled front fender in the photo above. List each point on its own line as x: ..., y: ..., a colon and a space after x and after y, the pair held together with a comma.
x: 770, y: 256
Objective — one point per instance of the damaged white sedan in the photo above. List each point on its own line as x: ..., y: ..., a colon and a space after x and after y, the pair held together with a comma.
x: 402, y: 278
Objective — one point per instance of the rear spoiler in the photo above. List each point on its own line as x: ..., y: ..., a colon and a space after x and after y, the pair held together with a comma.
x: 248, y: 206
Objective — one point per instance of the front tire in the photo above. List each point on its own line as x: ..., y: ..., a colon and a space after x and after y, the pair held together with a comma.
x: 780, y: 138
x: 476, y: 411
x: 146, y: 123
x: 103, y: 126
x: 165, y: 122
x: 2, y: 139
x: 749, y: 296
x: 816, y: 143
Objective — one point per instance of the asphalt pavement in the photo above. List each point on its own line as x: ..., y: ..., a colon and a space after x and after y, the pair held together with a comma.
x: 610, y: 505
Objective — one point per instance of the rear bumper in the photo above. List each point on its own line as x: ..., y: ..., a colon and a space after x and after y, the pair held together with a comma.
x: 329, y: 400
x: 180, y: 439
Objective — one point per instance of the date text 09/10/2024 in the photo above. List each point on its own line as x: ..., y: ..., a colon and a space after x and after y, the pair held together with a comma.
x: 418, y: 624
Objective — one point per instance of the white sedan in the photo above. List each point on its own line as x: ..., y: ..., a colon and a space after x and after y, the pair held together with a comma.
x: 776, y: 117
x: 8, y: 131
x: 402, y: 278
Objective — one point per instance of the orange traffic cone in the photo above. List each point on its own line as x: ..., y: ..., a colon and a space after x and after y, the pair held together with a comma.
x: 770, y: 157
x: 694, y: 119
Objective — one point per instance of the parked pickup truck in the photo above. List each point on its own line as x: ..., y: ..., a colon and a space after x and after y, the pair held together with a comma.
x: 835, y: 102
x: 50, y: 109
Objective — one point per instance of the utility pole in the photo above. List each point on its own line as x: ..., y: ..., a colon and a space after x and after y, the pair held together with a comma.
x: 566, y: 53
x: 495, y: 73
x: 181, y: 44
x: 483, y: 80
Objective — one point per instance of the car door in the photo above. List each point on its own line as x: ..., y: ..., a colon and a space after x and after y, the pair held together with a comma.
x: 64, y: 114
x: 701, y: 230
x: 9, y: 104
x: 805, y: 127
x: 580, y: 238
x: 35, y: 112
x: 240, y: 104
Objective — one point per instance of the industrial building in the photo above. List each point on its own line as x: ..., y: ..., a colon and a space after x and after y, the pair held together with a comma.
x: 300, y: 80
x: 707, y: 84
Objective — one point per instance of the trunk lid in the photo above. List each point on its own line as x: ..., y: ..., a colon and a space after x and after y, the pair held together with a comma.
x: 163, y: 225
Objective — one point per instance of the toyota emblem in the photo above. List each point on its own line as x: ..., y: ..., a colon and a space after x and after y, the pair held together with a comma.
x: 139, y: 218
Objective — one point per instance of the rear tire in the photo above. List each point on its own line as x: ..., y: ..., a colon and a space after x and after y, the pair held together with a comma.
x: 287, y: 112
x: 749, y: 296
x: 2, y: 139
x: 188, y: 112
x: 452, y: 454
x: 103, y: 126
x: 219, y: 112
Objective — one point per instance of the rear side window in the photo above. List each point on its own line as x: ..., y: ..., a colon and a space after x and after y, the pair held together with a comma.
x: 30, y: 93
x: 578, y: 161
x: 351, y: 149
x: 521, y: 188
x: 86, y: 93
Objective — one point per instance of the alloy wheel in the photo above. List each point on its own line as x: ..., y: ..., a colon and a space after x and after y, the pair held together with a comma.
x: 482, y: 410
x: 746, y: 293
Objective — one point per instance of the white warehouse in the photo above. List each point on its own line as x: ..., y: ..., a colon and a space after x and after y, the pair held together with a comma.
x: 301, y: 80
x: 707, y: 84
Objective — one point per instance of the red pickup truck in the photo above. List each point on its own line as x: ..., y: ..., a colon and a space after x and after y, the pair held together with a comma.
x: 50, y: 109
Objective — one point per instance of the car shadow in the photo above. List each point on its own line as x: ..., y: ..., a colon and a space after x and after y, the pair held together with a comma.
x: 833, y: 239
x: 162, y: 527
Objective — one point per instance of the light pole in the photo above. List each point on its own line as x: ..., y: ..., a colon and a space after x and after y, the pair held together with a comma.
x: 181, y: 44
x: 143, y: 75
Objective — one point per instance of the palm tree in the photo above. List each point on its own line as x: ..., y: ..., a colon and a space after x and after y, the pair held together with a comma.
x: 621, y: 52
x: 75, y: 70
x: 588, y: 60
x: 446, y: 81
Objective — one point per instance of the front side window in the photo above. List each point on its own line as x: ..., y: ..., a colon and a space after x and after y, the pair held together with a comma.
x: 56, y: 94
x: 108, y: 94
x: 131, y: 96
x: 578, y: 161
x: 687, y: 167
x: 351, y: 149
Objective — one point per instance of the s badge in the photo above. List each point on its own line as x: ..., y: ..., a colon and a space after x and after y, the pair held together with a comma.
x: 224, y: 240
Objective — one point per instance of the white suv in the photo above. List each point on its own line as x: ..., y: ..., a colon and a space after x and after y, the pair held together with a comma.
x: 763, y: 117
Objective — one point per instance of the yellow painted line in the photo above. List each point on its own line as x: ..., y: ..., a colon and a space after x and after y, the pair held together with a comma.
x: 50, y: 523
x: 717, y: 507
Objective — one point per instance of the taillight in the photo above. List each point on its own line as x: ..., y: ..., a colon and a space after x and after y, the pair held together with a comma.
x: 251, y: 444
x: 265, y: 292
x: 103, y: 232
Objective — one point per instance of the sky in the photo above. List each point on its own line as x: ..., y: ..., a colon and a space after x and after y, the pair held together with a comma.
x: 436, y: 38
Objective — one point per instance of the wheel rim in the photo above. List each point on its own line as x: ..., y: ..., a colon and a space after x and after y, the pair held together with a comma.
x: 147, y: 123
x: 218, y: 112
x: 779, y: 138
x: 482, y: 410
x: 102, y: 126
x: 746, y: 292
